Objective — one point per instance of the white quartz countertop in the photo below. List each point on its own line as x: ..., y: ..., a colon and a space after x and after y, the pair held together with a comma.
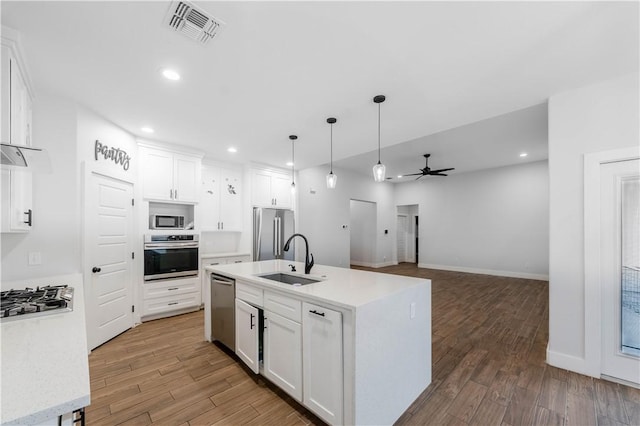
x: 216, y: 255
x: 348, y: 288
x: 45, y: 365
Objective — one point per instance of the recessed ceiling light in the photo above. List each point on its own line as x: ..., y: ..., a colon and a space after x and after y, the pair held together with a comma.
x: 232, y: 149
x: 170, y: 74
x: 524, y: 154
x: 399, y: 176
x: 289, y: 163
x: 147, y: 129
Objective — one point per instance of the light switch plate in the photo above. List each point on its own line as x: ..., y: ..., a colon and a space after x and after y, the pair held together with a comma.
x: 35, y: 258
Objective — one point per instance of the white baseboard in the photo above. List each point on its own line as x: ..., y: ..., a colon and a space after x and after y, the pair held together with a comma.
x: 494, y: 272
x: 372, y: 265
x: 569, y: 362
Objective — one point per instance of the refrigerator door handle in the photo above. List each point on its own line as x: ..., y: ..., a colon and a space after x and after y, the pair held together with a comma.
x: 257, y: 238
x: 278, y: 240
x: 275, y: 237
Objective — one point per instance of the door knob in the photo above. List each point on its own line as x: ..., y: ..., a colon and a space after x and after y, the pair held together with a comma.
x: 96, y: 269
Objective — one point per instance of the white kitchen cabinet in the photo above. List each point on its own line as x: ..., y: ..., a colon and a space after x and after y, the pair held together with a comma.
x: 283, y: 353
x: 17, y: 201
x: 16, y: 105
x: 166, y: 297
x: 247, y: 334
x: 17, y: 190
x: 322, y: 360
x: 169, y: 176
x: 271, y: 189
x: 221, y: 200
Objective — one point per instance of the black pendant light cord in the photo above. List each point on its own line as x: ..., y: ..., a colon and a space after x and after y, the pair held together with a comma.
x: 293, y: 159
x: 331, y: 166
x: 378, y: 133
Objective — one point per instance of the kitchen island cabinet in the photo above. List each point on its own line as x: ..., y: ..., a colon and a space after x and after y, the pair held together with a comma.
x: 369, y: 357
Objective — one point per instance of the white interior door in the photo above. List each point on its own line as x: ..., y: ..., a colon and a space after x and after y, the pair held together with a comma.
x: 401, y: 236
x: 108, y: 231
x: 620, y: 269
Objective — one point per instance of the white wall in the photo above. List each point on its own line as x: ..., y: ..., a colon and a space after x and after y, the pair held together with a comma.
x: 492, y: 221
x: 595, y: 118
x: 362, y: 233
x: 56, y: 205
x: 322, y: 214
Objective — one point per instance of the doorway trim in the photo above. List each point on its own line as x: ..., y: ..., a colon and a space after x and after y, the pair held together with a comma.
x: 592, y: 290
x: 86, y: 171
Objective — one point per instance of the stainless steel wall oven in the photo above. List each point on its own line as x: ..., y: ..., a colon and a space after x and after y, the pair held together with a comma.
x: 170, y: 256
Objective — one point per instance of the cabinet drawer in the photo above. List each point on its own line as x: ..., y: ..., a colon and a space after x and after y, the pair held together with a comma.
x: 284, y: 306
x: 165, y: 304
x: 249, y: 293
x: 151, y: 290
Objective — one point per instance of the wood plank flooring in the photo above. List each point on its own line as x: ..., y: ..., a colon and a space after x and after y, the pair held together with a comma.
x: 489, y: 341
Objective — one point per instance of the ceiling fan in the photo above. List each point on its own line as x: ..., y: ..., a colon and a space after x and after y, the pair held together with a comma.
x: 427, y: 170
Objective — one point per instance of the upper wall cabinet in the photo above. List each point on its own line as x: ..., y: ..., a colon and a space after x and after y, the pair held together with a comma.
x: 169, y: 176
x: 16, y: 104
x: 221, y: 199
x: 271, y: 189
x: 15, y: 111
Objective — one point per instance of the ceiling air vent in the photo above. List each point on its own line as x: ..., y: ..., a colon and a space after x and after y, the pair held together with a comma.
x: 196, y: 24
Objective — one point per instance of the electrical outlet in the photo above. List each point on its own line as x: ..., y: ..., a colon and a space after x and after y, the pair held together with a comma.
x: 35, y: 258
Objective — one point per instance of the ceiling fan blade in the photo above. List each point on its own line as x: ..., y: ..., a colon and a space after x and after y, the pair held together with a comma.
x: 419, y: 177
x: 438, y: 174
x: 441, y: 170
x: 415, y: 174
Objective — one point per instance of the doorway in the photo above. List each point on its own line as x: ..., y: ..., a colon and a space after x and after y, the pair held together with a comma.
x: 612, y: 265
x: 363, y: 218
x: 620, y: 269
x: 407, y: 233
x: 108, y: 264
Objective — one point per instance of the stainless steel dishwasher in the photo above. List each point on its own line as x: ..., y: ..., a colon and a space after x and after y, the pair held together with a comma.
x: 223, y: 315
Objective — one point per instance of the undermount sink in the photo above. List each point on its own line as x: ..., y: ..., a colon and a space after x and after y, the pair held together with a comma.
x: 289, y: 279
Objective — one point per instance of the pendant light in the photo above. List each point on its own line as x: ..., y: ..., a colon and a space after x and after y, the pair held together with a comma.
x: 331, y: 178
x: 293, y: 179
x: 378, y: 169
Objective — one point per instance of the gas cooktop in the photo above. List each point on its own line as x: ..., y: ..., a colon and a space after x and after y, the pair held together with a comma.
x: 31, y: 302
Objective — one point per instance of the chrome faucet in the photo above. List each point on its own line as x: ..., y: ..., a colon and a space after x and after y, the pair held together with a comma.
x: 307, y: 264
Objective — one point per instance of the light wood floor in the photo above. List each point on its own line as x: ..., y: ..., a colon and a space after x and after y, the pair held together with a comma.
x: 489, y: 340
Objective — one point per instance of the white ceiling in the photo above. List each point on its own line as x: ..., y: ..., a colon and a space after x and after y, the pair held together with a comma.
x: 283, y: 67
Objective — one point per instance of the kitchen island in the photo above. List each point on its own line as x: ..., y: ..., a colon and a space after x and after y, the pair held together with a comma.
x: 45, y: 365
x: 354, y: 347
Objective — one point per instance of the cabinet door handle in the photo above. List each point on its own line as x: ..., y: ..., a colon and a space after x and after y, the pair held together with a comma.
x: 29, y: 220
x: 222, y: 224
x: 172, y: 303
x: 317, y: 313
x: 95, y: 270
x: 251, y: 321
x: 175, y: 191
x: 172, y: 288
x: 171, y: 194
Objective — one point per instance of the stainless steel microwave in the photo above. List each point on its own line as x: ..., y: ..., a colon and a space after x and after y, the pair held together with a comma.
x: 161, y: 221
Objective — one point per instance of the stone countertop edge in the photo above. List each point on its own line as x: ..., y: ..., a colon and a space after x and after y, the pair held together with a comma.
x: 230, y: 254
x: 50, y: 355
x: 346, y: 288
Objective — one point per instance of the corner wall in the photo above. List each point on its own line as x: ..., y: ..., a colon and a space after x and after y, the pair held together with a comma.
x: 322, y: 214
x: 596, y: 118
x: 56, y: 203
x: 492, y: 221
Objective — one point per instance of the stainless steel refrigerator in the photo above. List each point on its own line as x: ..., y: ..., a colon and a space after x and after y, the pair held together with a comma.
x: 271, y: 229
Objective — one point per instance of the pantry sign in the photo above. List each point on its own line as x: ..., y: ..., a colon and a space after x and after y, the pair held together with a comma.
x: 117, y: 155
